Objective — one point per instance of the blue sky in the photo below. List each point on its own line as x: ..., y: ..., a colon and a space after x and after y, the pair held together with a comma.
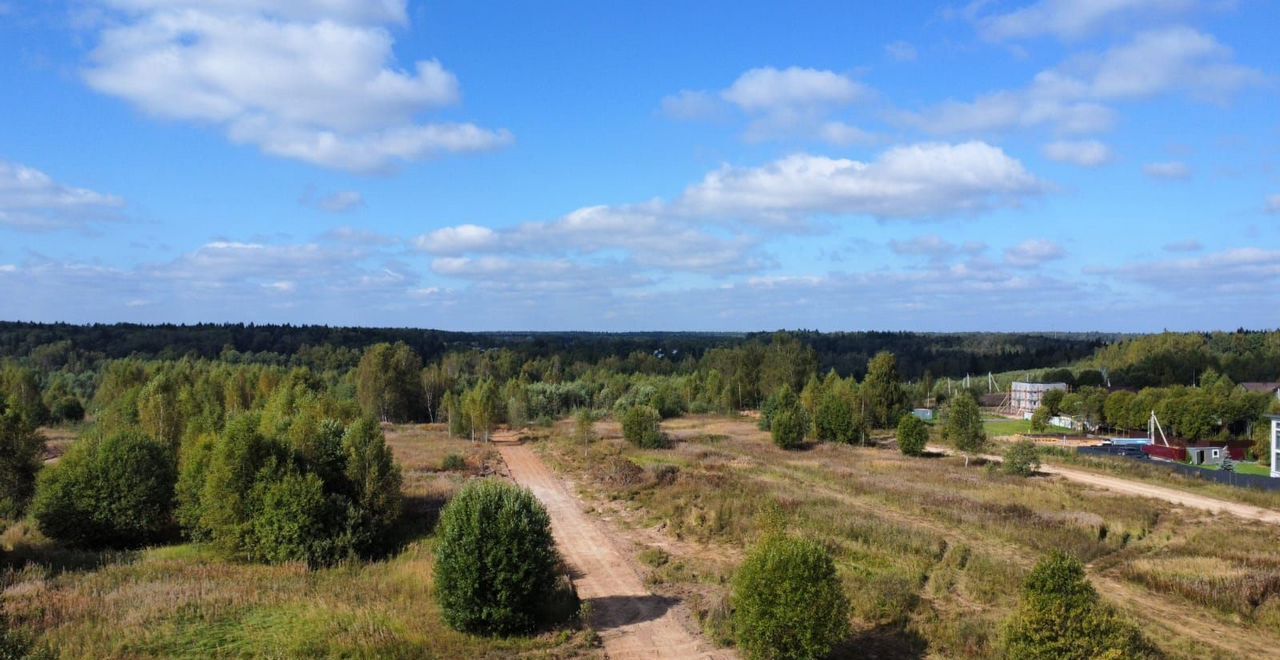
x: 1033, y: 165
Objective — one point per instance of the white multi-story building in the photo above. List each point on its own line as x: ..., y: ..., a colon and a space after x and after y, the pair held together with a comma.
x: 1275, y: 445
x: 1025, y: 397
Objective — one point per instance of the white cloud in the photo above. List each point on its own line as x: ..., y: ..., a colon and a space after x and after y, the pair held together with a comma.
x: 1071, y: 19
x: 690, y: 105
x: 842, y: 134
x: 1177, y: 58
x: 1172, y: 169
x: 934, y: 247
x: 770, y: 89
x: 1240, y: 271
x: 1085, y: 153
x: 309, y: 81
x: 1073, y: 98
x: 916, y: 181
x: 457, y: 240
x: 1032, y: 253
x: 1273, y: 204
x: 901, y: 51
x: 32, y: 200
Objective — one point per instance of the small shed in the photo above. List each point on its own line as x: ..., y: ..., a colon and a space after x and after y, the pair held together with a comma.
x: 923, y: 414
x: 1206, y: 455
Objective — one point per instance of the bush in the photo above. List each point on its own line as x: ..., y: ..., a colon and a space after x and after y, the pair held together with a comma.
x: 1061, y: 617
x: 13, y: 645
x: 113, y: 492
x: 640, y: 428
x: 295, y: 521
x: 453, y: 463
x: 496, y: 561
x: 788, y: 601
x: 788, y: 428
x: 20, y: 452
x: 913, y: 435
x: 1040, y: 418
x: 836, y: 420
x: 1022, y: 459
x: 323, y: 496
x: 783, y: 399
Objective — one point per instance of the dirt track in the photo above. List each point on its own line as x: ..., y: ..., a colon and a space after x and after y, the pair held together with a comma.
x: 1142, y: 489
x: 632, y: 622
x: 1172, y: 495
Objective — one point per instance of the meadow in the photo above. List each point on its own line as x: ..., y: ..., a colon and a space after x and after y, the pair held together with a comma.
x: 187, y: 601
x: 932, y: 554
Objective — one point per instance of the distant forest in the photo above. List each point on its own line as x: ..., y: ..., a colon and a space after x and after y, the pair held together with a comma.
x: 53, y: 346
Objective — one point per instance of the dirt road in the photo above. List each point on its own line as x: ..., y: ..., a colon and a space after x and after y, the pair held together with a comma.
x: 1143, y: 489
x: 1172, y: 495
x: 632, y: 622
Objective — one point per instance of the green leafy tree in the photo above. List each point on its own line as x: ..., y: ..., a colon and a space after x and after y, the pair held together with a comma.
x: 375, y: 483
x: 1022, y: 459
x: 883, y: 392
x: 962, y: 426
x: 1052, y: 401
x: 21, y: 447
x: 1040, y: 419
x: 640, y: 427
x: 788, y: 601
x: 480, y: 404
x: 159, y: 414
x: 584, y: 426
x: 389, y: 383
x: 116, y: 491
x: 913, y: 435
x: 1061, y: 618
x: 495, y: 560
x: 294, y: 521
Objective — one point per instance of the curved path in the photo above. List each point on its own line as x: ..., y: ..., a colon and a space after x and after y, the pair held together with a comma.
x: 632, y: 622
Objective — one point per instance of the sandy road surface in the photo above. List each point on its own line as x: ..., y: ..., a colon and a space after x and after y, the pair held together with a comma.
x: 1143, y: 489
x: 1171, y: 495
x: 632, y: 622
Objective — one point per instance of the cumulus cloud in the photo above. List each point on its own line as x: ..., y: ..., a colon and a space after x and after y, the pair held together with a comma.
x: 1172, y: 169
x: 33, y: 201
x: 1085, y: 153
x: 1074, y: 98
x: 457, y: 240
x: 314, y: 82
x: 780, y: 103
x: 1069, y: 19
x: 916, y: 181
x: 1032, y: 253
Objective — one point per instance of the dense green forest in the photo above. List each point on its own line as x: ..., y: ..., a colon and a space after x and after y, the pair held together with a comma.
x: 52, y: 346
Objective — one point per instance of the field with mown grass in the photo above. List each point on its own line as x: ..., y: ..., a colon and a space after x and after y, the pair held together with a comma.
x: 186, y: 601
x: 932, y: 554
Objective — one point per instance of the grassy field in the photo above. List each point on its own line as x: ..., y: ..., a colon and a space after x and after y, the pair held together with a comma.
x: 931, y: 553
x: 999, y: 426
x: 184, y: 601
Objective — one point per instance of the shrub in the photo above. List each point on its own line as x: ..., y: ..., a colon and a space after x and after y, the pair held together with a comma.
x: 295, y: 521
x: 1040, y: 419
x: 20, y: 451
x: 584, y: 429
x: 788, y: 602
x: 836, y: 420
x: 913, y: 435
x: 1060, y: 616
x: 13, y: 646
x: 788, y: 428
x: 1022, y: 459
x: 783, y: 399
x: 112, y: 492
x: 67, y: 409
x: 373, y: 483
x: 453, y: 463
x: 640, y: 428
x: 496, y: 561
